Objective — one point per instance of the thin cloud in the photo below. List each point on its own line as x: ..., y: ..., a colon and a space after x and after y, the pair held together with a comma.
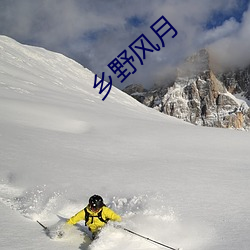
x: 233, y: 50
x: 229, y: 27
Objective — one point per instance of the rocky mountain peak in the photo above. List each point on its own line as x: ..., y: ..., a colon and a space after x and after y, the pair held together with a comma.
x: 197, y: 64
x: 202, y: 97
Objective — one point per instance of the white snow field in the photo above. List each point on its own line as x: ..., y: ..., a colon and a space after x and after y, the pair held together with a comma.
x: 182, y: 185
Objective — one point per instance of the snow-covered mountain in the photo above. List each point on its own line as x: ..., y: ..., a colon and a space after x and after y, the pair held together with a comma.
x: 182, y: 185
x: 201, y: 96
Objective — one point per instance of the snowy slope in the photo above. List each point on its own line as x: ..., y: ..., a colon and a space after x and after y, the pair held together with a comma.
x: 179, y: 184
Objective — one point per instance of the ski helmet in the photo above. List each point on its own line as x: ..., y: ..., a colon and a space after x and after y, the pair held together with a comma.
x: 95, y: 202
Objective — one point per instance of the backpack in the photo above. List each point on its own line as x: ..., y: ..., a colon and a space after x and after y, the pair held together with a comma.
x: 88, y: 216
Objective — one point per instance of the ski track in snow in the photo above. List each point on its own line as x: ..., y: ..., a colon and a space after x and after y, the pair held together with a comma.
x: 145, y: 214
x: 43, y: 117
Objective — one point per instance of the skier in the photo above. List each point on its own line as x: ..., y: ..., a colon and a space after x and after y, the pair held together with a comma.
x: 95, y: 214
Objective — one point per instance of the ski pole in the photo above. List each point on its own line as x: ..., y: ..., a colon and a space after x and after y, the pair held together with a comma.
x: 146, y: 238
x: 45, y: 228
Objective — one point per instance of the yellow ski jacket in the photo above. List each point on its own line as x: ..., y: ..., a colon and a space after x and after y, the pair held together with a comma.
x: 94, y: 223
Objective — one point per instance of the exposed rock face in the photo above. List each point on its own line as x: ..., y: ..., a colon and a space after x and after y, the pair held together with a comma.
x: 237, y: 81
x: 199, y: 97
x: 137, y: 91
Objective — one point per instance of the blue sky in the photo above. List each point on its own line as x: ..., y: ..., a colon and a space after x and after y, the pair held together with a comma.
x: 94, y: 32
x: 218, y: 17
